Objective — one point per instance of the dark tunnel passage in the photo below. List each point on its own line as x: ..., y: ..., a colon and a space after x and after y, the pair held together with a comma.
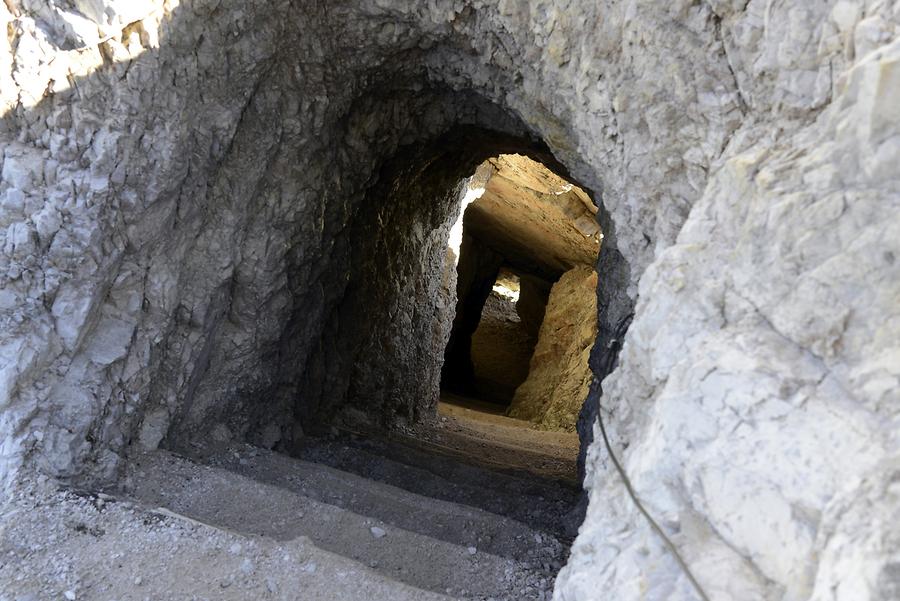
x: 420, y: 261
x: 472, y: 268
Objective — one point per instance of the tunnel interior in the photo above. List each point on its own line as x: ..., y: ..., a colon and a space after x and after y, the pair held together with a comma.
x: 524, y: 248
x: 389, y: 307
x: 468, y: 225
x: 502, y: 344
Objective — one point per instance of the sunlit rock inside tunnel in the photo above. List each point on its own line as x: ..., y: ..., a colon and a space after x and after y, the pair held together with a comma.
x: 468, y: 299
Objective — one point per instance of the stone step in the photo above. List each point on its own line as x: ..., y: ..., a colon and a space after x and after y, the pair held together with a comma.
x: 60, y: 544
x: 541, y: 504
x: 226, y: 499
x: 455, y: 523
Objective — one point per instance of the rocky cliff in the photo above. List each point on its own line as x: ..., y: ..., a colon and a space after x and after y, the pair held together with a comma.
x: 230, y: 217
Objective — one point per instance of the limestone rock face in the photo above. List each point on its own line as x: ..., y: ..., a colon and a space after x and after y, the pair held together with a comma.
x: 217, y: 215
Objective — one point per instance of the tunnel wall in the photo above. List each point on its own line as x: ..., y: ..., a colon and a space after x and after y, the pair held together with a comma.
x: 395, y: 316
x: 477, y: 269
x: 559, y: 374
x: 179, y: 183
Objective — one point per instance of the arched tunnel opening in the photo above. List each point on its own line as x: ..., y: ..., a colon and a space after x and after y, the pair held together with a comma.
x: 386, y: 403
x: 450, y: 232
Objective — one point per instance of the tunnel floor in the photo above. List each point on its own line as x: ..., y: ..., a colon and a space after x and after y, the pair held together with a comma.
x: 480, y: 432
x: 476, y: 506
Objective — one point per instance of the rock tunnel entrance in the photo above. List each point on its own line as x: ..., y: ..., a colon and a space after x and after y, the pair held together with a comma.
x: 499, y: 496
x: 223, y: 228
x: 395, y: 313
x: 415, y: 268
x: 271, y: 302
x: 489, y: 281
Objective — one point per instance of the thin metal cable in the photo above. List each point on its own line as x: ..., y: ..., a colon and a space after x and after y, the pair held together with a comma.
x: 625, y: 480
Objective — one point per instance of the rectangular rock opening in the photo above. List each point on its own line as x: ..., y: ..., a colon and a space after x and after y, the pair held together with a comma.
x: 502, y: 344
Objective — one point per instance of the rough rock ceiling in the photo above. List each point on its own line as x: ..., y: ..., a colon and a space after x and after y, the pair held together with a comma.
x: 539, y: 222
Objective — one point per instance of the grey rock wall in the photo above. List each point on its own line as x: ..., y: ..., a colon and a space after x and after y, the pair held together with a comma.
x: 183, y: 186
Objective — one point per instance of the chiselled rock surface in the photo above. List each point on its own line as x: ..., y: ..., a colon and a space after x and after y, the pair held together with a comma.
x: 559, y: 376
x: 229, y: 217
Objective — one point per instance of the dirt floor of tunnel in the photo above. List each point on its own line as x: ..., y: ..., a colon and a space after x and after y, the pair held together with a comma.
x: 480, y: 432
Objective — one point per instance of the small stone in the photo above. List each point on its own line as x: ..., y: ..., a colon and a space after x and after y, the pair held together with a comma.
x: 378, y: 532
x: 70, y: 595
x: 138, y: 581
x: 235, y: 549
x: 310, y: 568
x: 472, y: 550
x: 247, y: 566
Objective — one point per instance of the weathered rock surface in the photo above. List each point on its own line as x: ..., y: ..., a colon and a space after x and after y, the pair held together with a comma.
x: 534, y: 292
x: 559, y: 376
x: 186, y: 189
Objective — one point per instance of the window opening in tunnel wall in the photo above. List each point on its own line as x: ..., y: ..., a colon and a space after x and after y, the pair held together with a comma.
x: 501, y: 344
x: 524, y: 249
